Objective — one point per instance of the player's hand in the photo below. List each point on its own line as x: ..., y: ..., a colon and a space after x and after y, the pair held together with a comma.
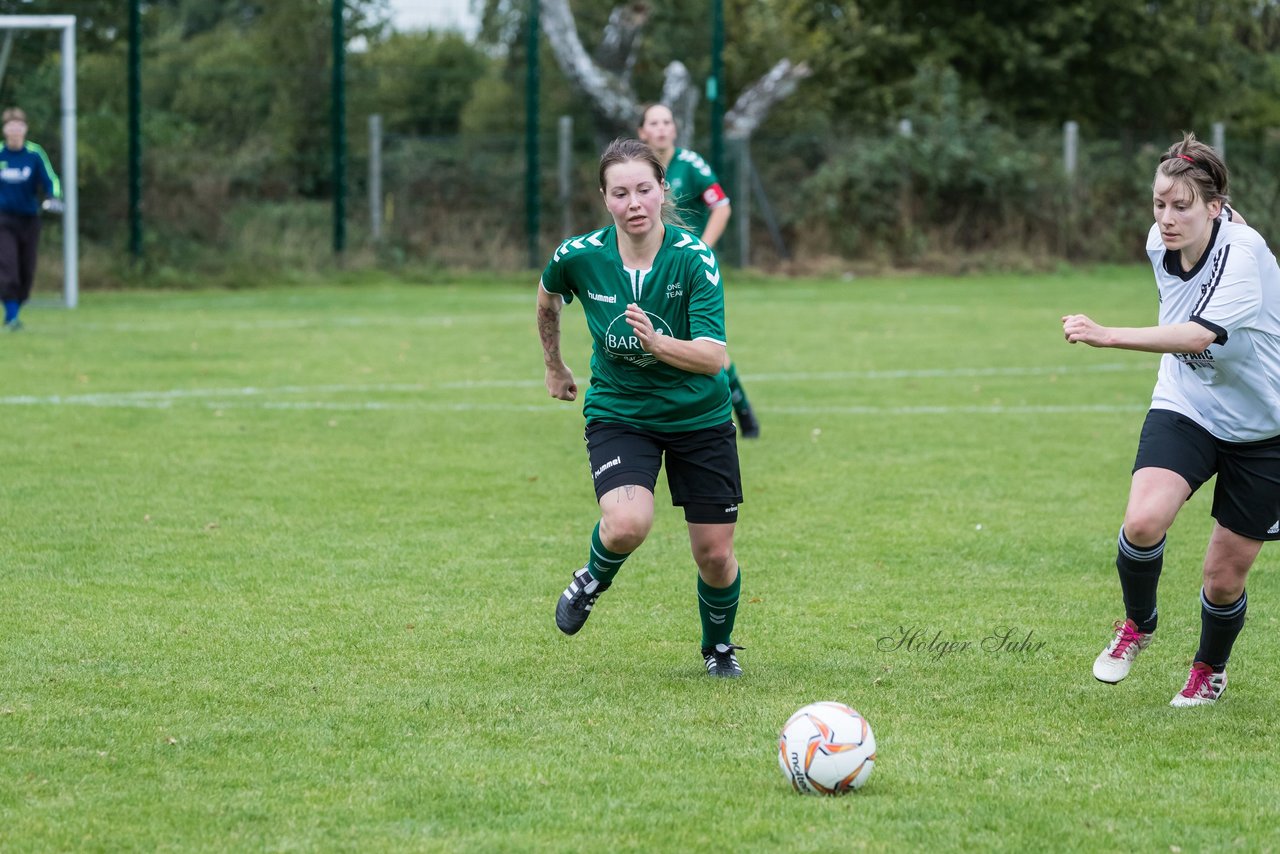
x: 560, y: 384
x: 54, y: 206
x: 643, y: 327
x: 1079, y: 329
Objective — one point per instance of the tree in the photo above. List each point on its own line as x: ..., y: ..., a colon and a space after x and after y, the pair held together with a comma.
x: 418, y: 82
x: 1109, y: 64
x: 652, y: 50
x: 606, y: 77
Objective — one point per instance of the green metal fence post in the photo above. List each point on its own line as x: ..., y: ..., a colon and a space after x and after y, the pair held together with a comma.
x: 715, y: 86
x: 339, y: 132
x: 531, y: 184
x: 135, y: 129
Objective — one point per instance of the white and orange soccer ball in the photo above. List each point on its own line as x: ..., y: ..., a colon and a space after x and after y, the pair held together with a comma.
x: 826, y: 749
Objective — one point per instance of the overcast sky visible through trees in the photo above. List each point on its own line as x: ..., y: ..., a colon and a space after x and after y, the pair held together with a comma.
x: 433, y: 14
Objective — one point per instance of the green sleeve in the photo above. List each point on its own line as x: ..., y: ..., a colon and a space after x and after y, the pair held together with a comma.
x: 706, y: 296
x: 554, y: 279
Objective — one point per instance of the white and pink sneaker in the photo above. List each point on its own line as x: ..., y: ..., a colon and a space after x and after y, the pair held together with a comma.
x: 1114, y: 662
x: 1204, y: 687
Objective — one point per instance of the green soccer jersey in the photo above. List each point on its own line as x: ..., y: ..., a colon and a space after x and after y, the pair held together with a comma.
x: 682, y: 296
x: 695, y: 189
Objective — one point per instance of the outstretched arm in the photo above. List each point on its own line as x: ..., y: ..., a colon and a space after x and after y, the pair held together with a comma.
x: 559, y: 378
x: 1189, y: 337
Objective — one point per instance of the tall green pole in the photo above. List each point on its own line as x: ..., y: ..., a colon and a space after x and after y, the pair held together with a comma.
x: 135, y: 129
x: 339, y: 132
x: 531, y: 184
x: 715, y: 87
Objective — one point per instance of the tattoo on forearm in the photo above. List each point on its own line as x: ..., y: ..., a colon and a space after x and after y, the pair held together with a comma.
x: 549, y: 332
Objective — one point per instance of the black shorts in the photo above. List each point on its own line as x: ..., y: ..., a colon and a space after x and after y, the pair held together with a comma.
x: 1246, y: 498
x: 702, y: 466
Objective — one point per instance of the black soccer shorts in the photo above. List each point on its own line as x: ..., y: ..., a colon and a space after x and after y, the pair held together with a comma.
x: 702, y: 466
x: 1246, y: 498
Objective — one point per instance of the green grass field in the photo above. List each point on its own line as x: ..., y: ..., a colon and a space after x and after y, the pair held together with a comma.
x: 278, y: 571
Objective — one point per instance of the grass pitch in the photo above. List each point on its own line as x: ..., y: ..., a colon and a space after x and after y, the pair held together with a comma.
x: 279, y: 568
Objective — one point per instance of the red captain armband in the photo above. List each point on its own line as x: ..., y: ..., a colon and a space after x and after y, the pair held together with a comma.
x: 714, y: 196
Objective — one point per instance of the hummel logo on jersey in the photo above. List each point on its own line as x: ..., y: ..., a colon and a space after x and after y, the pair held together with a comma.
x: 1274, y: 529
x: 613, y: 462
x: 601, y: 297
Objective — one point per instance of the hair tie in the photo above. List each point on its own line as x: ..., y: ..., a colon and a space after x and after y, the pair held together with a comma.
x: 1189, y: 160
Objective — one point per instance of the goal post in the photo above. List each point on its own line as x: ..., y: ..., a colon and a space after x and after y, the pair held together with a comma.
x: 66, y: 25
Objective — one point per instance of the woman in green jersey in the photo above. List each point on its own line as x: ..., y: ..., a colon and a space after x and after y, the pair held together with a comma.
x: 703, y: 208
x: 652, y: 297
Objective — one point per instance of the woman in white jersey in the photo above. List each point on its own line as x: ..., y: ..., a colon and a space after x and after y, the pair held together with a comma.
x: 653, y: 301
x: 1215, y: 410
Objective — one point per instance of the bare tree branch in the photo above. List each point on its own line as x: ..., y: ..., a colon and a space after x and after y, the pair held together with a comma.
x: 755, y: 103
x: 611, y: 98
x: 679, y: 93
x: 606, y: 79
x: 617, y: 50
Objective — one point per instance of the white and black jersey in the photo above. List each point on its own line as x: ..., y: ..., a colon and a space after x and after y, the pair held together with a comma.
x: 1232, y: 389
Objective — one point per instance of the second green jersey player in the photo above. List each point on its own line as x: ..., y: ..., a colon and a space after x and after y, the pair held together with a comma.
x: 697, y: 192
x: 658, y: 396
x: 703, y: 207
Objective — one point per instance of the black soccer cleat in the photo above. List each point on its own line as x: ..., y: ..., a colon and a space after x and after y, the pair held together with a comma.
x: 574, y: 605
x: 721, y: 662
x: 748, y: 424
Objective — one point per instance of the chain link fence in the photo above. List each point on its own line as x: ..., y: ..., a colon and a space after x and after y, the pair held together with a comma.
x: 809, y: 203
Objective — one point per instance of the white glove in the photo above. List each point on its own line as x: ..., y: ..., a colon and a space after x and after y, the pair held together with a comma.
x: 55, y: 206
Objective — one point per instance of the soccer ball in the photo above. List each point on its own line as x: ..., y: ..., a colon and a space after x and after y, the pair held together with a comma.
x: 826, y: 749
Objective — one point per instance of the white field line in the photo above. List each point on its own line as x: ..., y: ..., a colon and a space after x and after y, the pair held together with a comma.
x: 840, y: 376
x: 165, y: 399
x: 205, y: 325
x: 269, y: 398
x: 551, y: 407
x: 948, y: 373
